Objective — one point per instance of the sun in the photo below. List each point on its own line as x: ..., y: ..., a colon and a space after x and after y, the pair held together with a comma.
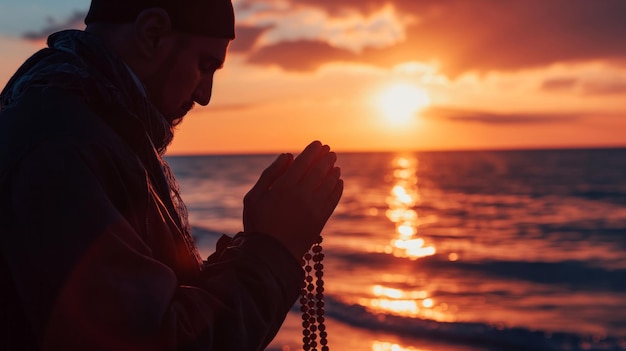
x: 400, y: 102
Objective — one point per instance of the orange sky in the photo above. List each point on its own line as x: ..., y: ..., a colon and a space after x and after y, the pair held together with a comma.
x: 497, y: 74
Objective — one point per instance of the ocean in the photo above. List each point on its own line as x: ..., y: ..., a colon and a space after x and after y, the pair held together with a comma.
x: 453, y: 251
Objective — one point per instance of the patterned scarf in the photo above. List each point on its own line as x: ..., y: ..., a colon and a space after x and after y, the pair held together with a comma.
x: 78, y: 62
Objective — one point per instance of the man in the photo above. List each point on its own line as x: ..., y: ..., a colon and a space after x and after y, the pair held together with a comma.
x: 95, y: 247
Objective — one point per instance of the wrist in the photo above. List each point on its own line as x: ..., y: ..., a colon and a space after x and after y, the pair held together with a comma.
x: 262, y: 238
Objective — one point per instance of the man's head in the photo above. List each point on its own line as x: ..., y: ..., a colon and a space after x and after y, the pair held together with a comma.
x: 173, y: 46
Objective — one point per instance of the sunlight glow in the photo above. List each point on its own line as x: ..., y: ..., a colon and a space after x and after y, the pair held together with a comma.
x: 400, y: 102
x: 388, y: 292
x: 387, y: 346
x: 400, y: 215
x: 406, y: 230
x: 428, y: 303
x: 410, y: 307
x: 400, y: 307
x: 408, y: 303
x: 414, y: 248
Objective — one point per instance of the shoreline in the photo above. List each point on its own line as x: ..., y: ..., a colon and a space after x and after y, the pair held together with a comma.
x: 342, y: 336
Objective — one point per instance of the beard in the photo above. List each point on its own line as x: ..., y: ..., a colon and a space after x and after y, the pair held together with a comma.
x: 175, y: 119
x: 161, y: 142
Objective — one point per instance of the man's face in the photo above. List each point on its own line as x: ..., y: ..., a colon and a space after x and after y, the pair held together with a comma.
x: 185, y: 75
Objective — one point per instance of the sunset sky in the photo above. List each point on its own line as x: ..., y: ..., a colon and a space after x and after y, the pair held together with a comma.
x: 366, y: 75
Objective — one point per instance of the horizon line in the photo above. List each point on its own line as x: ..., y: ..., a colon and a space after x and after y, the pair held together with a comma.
x: 365, y: 151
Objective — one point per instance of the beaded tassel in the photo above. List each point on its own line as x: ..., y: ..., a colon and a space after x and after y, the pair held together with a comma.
x: 313, y: 302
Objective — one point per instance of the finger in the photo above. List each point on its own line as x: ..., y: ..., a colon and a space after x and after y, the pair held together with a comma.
x: 334, y: 198
x: 319, y: 171
x: 327, y: 185
x: 303, y: 162
x: 271, y: 173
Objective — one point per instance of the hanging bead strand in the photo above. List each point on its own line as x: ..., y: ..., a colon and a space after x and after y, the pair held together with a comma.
x: 312, y: 301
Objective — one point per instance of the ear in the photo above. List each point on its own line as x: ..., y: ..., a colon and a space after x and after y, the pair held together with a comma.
x: 151, y: 26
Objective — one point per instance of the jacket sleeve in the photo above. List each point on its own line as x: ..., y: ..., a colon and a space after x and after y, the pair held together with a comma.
x: 89, y: 282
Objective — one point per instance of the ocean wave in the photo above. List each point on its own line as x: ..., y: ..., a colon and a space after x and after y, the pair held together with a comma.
x: 479, y: 334
x: 610, y: 196
x: 571, y: 274
x: 575, y: 275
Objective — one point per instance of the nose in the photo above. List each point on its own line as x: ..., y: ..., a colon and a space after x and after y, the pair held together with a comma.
x: 202, y: 93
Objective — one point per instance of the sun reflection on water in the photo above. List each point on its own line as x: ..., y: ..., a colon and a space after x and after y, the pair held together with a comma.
x: 402, y: 200
x: 387, y: 346
x: 408, y: 303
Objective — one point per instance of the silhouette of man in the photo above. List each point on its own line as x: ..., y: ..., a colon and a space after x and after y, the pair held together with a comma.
x: 96, y: 252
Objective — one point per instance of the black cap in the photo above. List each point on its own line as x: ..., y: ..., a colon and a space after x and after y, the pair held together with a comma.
x: 213, y: 18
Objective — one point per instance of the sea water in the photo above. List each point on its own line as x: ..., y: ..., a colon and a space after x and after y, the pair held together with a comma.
x: 453, y: 251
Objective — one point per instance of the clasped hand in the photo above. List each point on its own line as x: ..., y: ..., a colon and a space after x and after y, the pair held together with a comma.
x: 293, y: 199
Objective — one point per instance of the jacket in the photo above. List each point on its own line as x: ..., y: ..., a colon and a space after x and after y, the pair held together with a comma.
x: 93, y: 255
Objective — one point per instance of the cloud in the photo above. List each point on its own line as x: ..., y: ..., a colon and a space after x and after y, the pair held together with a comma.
x: 460, y: 35
x: 605, y: 87
x: 299, y: 56
x: 559, y: 84
x: 74, y: 21
x: 472, y: 116
x: 483, y: 35
x: 586, y: 86
x: 351, y: 30
x: 246, y: 38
